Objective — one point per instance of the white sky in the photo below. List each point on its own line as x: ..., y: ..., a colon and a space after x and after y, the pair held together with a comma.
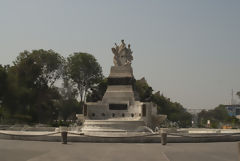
x: 188, y: 49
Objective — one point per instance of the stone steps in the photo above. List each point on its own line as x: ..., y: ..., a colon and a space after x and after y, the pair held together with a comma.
x: 111, y: 125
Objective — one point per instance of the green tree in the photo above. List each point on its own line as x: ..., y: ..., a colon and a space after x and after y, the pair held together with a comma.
x: 3, y: 85
x: 144, y: 90
x: 217, y: 116
x: 3, y: 81
x: 68, y: 105
x: 68, y: 109
x: 36, y: 73
x: 85, y: 71
x: 30, y: 94
x: 39, y: 67
x: 68, y: 91
x: 238, y: 94
x: 174, y: 111
x: 12, y: 94
x: 97, y: 91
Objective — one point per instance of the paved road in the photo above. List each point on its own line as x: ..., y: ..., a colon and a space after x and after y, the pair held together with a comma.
x: 14, y: 150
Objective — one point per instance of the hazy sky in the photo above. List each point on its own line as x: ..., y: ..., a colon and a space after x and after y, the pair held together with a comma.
x: 187, y: 49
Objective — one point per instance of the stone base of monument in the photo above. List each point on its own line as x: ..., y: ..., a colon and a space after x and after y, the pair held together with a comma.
x: 128, y: 137
x: 115, y: 128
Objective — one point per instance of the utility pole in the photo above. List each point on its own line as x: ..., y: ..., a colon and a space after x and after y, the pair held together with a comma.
x: 232, y: 99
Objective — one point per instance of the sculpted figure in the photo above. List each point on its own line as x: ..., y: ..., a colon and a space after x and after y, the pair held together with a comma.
x: 122, y: 46
x: 129, y: 55
x: 116, y: 55
x: 122, y: 54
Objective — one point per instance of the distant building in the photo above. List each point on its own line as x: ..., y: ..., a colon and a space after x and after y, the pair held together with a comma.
x: 233, y: 110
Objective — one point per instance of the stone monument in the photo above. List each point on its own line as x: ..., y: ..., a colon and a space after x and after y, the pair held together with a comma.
x: 119, y: 110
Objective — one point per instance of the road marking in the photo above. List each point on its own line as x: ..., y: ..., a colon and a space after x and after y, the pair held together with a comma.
x: 165, y: 156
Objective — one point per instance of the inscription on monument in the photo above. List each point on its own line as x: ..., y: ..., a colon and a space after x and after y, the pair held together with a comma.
x: 118, y: 106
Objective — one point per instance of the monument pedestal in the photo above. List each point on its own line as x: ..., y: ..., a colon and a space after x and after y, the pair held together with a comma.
x: 119, y: 110
x: 112, y: 125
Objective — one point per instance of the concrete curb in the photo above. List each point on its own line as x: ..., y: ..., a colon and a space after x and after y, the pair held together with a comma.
x: 137, y: 139
x: 202, y: 139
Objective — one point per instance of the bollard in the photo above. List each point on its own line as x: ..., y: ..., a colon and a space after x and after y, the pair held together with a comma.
x: 164, y: 138
x: 64, y: 137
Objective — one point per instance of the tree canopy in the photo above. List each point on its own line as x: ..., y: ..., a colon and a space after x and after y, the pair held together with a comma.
x: 29, y: 92
x: 238, y: 94
x: 3, y: 81
x: 85, y: 71
x: 39, y: 67
x: 97, y: 91
x: 217, y: 117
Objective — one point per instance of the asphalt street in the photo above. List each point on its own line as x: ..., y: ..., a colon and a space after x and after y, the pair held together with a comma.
x: 15, y: 150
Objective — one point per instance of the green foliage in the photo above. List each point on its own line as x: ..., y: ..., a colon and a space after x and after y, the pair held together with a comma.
x: 97, y: 91
x: 68, y: 91
x: 36, y: 73
x: 85, y: 71
x: 3, y: 81
x: 238, y: 94
x: 144, y: 90
x: 174, y: 111
x: 29, y: 95
x: 27, y: 91
x: 58, y: 123
x: 68, y: 109
x: 217, y: 117
x: 39, y: 67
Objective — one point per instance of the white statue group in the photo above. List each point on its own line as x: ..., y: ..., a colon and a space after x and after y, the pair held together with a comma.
x: 122, y: 54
